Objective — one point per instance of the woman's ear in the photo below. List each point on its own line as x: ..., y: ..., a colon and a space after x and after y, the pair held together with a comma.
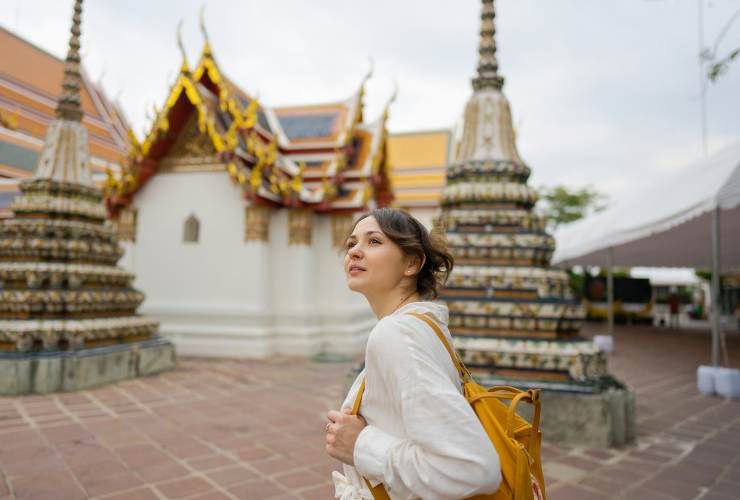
x: 414, y: 265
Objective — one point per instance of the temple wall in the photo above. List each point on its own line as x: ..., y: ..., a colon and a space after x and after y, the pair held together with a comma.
x: 223, y: 296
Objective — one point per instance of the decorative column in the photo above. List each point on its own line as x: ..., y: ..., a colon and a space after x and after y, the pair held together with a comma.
x: 341, y: 224
x: 257, y: 218
x: 300, y: 226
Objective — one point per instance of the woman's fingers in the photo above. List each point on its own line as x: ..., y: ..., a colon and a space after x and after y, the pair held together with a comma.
x: 334, y: 415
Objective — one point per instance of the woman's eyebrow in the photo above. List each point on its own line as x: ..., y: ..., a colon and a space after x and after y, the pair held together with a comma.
x: 368, y: 233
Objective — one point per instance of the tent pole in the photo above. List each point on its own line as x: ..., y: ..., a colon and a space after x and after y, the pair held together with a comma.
x: 610, y: 290
x: 715, y: 286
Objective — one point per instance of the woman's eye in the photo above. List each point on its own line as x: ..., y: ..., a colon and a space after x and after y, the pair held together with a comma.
x: 350, y: 244
x: 374, y: 241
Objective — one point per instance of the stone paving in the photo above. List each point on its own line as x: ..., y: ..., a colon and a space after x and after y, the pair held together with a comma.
x: 254, y: 429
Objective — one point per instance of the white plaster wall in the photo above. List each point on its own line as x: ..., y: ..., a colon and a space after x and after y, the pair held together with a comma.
x: 313, y: 309
x: 225, y: 297
x: 293, y: 290
x: 213, y: 289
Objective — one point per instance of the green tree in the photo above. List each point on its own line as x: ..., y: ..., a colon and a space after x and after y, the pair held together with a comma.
x: 560, y: 205
x: 718, y: 68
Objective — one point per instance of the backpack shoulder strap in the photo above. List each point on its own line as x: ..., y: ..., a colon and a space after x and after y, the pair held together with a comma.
x: 358, y: 398
x: 378, y: 492
x: 461, y: 369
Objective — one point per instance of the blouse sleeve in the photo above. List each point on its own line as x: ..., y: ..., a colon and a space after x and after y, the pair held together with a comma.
x: 447, y: 454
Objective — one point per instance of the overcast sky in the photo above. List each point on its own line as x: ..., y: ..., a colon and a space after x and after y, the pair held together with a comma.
x: 603, y: 92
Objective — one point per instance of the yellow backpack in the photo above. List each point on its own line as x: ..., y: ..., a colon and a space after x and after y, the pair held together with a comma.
x: 516, y: 440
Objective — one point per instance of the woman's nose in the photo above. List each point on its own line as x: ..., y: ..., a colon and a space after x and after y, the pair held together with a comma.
x: 354, y: 251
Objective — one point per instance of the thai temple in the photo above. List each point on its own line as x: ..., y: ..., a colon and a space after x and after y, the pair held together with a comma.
x: 236, y: 211
x: 67, y: 312
x: 513, y: 316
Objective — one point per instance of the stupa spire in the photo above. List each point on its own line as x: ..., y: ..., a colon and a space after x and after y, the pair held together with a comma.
x: 488, y: 76
x: 509, y: 310
x: 68, y: 107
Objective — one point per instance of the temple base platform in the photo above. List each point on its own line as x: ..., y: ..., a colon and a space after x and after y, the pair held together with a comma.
x: 596, y: 414
x: 74, y: 370
x: 594, y: 420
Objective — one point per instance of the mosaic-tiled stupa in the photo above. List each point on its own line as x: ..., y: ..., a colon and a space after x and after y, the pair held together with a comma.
x: 513, y: 316
x: 61, y: 292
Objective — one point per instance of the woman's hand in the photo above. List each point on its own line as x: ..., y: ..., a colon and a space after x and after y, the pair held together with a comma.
x: 341, y: 435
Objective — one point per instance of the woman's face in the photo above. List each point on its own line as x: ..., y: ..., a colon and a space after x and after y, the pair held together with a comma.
x: 373, y: 263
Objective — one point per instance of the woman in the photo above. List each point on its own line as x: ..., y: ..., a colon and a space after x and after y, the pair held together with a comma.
x: 416, y: 433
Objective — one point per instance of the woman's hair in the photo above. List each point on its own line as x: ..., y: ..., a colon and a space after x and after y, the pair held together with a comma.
x: 414, y: 239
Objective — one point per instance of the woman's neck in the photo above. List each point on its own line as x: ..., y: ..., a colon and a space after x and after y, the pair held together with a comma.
x: 388, y: 303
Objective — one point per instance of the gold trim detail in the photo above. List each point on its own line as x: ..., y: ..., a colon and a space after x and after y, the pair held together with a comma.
x: 125, y: 225
x: 300, y: 224
x: 257, y: 219
x: 341, y: 225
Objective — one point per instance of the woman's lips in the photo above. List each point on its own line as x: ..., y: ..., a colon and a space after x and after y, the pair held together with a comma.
x: 355, y: 270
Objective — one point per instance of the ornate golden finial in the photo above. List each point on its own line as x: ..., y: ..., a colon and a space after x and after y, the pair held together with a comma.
x: 250, y: 114
x: 255, y: 178
x: 110, y: 180
x: 296, y: 184
x: 488, y: 76
x: 271, y: 154
x: 370, y: 70
x: 202, y: 24
x: 340, y: 159
x: 391, y: 100
x: 329, y: 188
x: 68, y: 107
x: 9, y: 121
x: 184, y: 67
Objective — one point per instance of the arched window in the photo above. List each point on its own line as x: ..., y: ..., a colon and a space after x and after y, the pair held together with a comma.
x: 192, y: 229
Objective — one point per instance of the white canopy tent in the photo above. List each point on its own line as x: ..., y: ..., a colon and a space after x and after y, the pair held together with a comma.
x: 690, y: 219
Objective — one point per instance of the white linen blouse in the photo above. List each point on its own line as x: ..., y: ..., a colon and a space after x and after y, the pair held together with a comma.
x: 423, y: 439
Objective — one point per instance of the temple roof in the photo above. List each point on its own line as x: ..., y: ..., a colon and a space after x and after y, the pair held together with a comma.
x: 322, y: 157
x: 30, y: 86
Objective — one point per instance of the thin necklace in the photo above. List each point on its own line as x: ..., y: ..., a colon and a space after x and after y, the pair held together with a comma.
x: 404, y: 300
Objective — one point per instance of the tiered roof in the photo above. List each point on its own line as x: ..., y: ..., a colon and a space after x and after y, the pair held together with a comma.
x: 321, y: 157
x: 30, y: 85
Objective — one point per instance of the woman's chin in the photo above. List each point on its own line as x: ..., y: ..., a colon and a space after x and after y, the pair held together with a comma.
x: 352, y: 284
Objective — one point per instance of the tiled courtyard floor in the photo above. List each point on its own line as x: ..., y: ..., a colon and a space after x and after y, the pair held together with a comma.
x: 245, y: 429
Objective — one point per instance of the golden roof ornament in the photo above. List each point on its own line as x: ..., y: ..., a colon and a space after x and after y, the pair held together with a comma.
x: 202, y: 24
x: 296, y: 184
x: 184, y: 67
x: 250, y: 114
